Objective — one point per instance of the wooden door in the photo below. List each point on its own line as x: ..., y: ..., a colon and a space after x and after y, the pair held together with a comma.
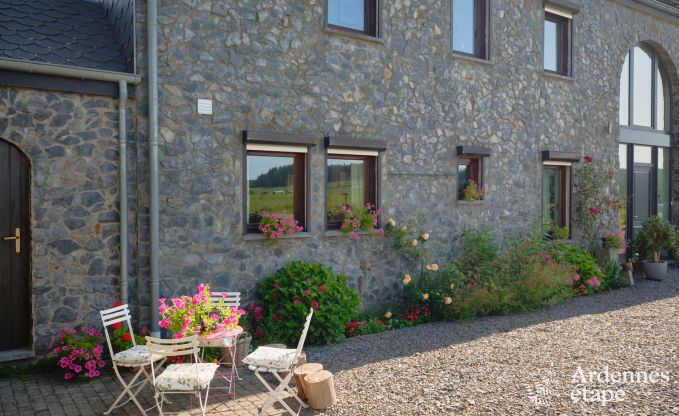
x: 15, y: 295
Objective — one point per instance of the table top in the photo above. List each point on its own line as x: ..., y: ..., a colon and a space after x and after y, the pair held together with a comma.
x: 219, y: 336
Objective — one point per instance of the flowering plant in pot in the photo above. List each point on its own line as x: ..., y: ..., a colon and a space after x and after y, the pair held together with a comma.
x: 473, y: 191
x: 198, y: 314
x: 278, y: 225
x: 363, y: 219
x: 655, y: 236
x: 611, y: 244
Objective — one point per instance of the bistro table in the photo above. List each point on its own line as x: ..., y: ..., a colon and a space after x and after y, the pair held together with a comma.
x: 224, y: 339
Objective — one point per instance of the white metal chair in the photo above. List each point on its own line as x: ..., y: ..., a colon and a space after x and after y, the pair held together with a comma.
x: 232, y: 300
x: 277, y: 361
x: 137, y: 356
x: 190, y: 378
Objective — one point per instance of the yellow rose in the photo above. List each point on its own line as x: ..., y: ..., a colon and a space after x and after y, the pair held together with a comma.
x: 404, y: 228
x: 434, y: 267
x: 392, y: 222
x: 406, y: 279
x: 425, y: 236
x: 414, y: 243
x: 452, y: 285
x: 425, y: 296
x: 387, y: 315
x: 448, y: 300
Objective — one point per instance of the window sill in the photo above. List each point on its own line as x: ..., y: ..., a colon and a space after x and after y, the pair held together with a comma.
x: 471, y: 58
x: 338, y: 233
x: 560, y: 77
x: 465, y: 202
x: 340, y: 32
x: 262, y: 237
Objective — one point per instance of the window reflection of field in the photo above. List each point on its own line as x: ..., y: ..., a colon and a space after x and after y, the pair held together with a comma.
x: 270, y: 199
x: 342, y: 192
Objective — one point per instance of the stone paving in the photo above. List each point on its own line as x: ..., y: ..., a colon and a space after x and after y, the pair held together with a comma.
x: 50, y: 396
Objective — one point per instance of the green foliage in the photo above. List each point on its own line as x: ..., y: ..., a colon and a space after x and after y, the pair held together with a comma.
x: 613, y: 241
x: 364, y: 325
x: 409, y: 240
x: 584, y: 263
x: 559, y: 233
x: 287, y: 295
x: 612, y: 279
x: 480, y: 280
x: 595, y: 199
x: 656, y: 235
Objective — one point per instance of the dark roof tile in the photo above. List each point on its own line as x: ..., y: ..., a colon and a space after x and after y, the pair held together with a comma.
x: 65, y: 32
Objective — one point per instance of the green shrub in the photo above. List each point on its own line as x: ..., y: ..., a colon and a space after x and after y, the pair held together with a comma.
x: 287, y: 295
x: 612, y: 279
x: 481, y: 281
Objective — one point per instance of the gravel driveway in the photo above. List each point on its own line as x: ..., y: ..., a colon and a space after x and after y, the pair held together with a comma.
x: 523, y: 363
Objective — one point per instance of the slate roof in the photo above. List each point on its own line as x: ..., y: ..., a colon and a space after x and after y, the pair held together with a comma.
x: 66, y: 32
x: 673, y: 3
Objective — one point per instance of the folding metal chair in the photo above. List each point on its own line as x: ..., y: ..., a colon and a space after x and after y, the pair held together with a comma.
x: 137, y: 356
x: 190, y: 378
x: 277, y: 361
x: 232, y: 300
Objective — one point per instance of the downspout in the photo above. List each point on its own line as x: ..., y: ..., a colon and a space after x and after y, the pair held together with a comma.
x: 152, y: 29
x: 122, y: 146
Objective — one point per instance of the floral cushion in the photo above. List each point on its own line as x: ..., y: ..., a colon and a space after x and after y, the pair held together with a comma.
x: 185, y: 377
x: 270, y: 357
x: 134, y: 357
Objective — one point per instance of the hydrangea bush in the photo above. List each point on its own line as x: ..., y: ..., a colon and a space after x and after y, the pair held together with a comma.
x: 79, y: 352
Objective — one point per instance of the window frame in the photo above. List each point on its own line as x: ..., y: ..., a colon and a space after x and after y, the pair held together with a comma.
x: 565, y: 194
x: 656, y: 69
x: 475, y: 167
x: 563, y: 44
x: 370, y: 186
x: 371, y: 23
x: 300, y: 191
x: 481, y: 32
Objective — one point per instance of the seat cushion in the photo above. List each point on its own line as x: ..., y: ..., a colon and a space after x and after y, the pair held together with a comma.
x: 269, y: 357
x: 134, y: 357
x: 184, y: 377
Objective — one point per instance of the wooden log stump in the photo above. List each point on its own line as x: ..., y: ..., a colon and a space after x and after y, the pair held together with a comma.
x: 319, y: 387
x: 301, y: 372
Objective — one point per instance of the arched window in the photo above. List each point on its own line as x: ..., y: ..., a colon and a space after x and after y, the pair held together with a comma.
x: 642, y: 91
x: 644, y: 142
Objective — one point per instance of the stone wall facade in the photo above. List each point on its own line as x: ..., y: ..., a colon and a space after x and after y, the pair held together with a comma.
x: 269, y: 65
x: 71, y: 141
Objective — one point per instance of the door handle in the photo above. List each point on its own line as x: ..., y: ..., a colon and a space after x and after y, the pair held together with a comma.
x: 17, y: 240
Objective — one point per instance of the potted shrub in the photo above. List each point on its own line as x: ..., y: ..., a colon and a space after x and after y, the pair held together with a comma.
x: 611, y: 244
x: 655, y: 236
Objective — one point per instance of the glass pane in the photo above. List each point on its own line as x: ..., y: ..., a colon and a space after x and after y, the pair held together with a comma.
x: 624, y: 93
x: 622, y: 172
x: 551, y: 197
x: 641, y: 94
x: 642, y: 154
x: 660, y: 102
x: 346, y: 186
x: 463, y: 176
x: 464, y: 25
x: 664, y: 182
x: 271, y: 182
x: 551, y: 46
x: 347, y: 13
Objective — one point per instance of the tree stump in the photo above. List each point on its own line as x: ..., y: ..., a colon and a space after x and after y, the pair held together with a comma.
x: 320, y: 389
x: 303, y: 371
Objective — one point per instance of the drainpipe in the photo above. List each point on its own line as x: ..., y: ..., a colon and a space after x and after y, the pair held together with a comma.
x: 122, y: 145
x: 152, y: 29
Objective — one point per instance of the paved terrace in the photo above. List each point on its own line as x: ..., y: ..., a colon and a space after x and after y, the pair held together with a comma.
x: 516, y: 364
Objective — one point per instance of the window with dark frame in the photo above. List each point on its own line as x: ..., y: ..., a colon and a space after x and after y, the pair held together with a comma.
x: 555, y: 194
x: 469, y: 169
x: 353, y: 16
x: 557, y: 44
x: 642, y: 90
x: 276, y: 182
x: 470, y: 27
x: 350, y: 180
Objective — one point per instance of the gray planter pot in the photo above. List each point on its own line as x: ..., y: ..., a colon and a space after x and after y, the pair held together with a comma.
x: 655, y: 271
